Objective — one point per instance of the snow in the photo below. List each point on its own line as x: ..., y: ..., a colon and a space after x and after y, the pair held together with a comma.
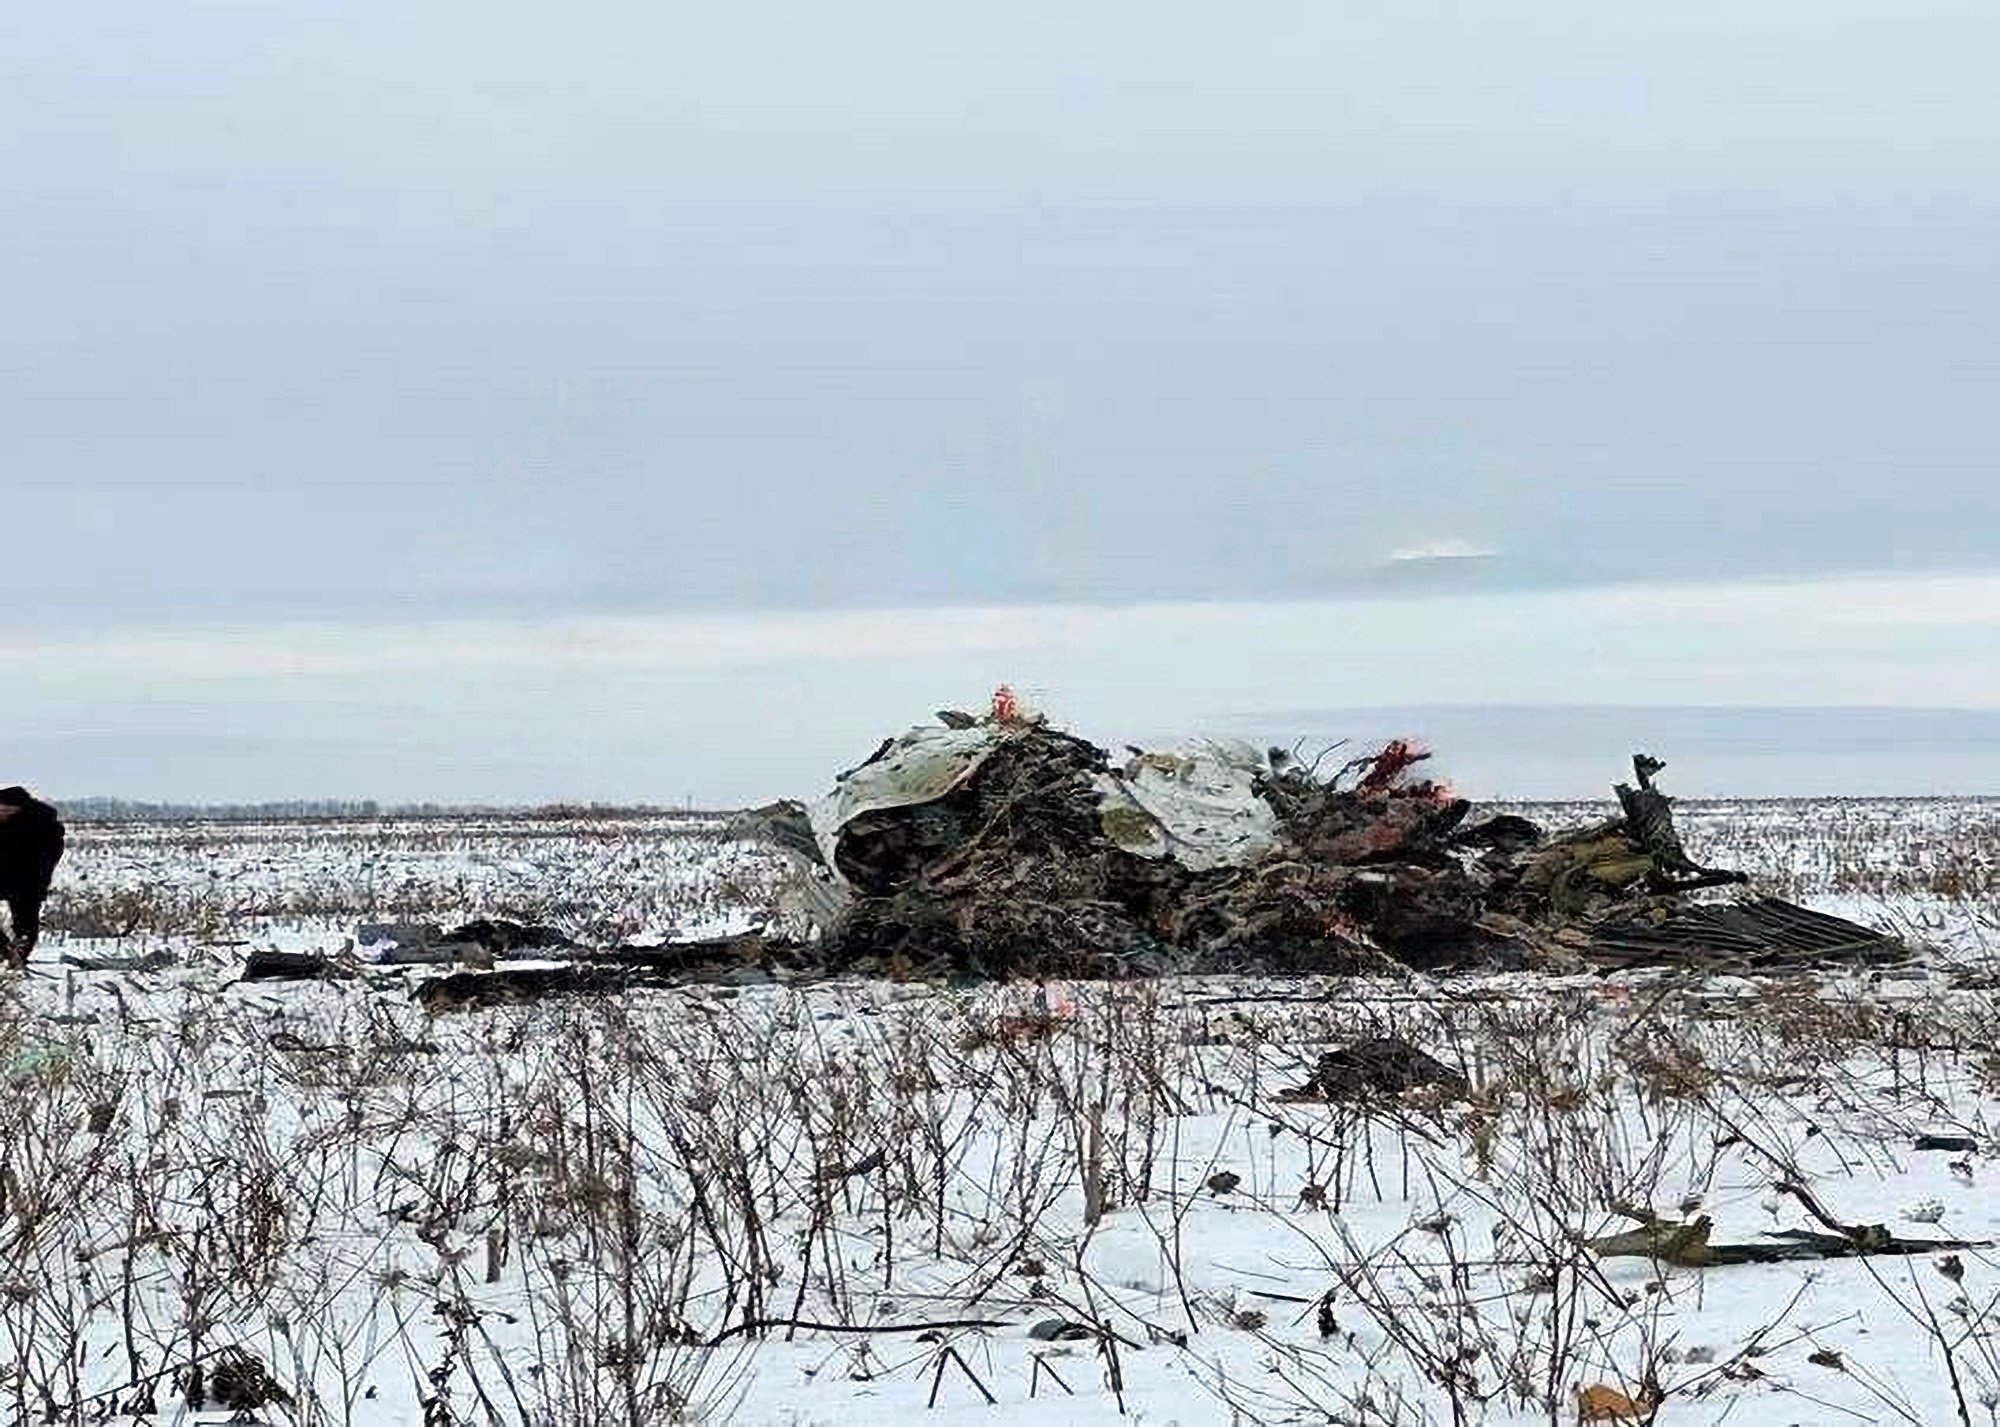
x: 554, y: 1214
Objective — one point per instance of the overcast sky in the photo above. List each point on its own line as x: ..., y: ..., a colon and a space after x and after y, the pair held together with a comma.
x: 359, y: 317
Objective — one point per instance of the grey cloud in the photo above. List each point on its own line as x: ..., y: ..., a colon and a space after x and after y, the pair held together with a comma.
x: 372, y: 311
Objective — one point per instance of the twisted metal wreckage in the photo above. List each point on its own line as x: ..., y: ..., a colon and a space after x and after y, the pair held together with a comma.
x: 1003, y: 847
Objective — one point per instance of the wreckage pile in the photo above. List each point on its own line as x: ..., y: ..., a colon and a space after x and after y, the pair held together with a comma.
x: 1002, y: 846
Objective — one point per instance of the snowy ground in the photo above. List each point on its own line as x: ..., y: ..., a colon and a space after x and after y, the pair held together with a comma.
x: 842, y: 1203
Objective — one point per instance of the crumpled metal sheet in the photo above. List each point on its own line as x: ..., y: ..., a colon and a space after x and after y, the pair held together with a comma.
x: 1199, y: 806
x: 918, y: 767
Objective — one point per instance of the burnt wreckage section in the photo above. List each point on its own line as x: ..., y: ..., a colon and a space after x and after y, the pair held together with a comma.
x: 1005, y: 847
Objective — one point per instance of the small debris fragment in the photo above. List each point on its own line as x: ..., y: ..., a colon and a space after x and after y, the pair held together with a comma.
x: 1956, y: 1144
x: 1687, y: 1244
x: 269, y: 965
x: 1925, y: 1211
x: 1328, y: 1325
x: 235, y: 1381
x: 1060, y: 1330
x: 1383, y: 1065
x: 1604, y: 1403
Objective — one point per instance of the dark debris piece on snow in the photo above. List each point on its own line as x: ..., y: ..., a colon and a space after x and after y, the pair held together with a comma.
x: 270, y: 965
x: 728, y: 960
x: 499, y: 937
x: 1766, y: 934
x: 1383, y: 1065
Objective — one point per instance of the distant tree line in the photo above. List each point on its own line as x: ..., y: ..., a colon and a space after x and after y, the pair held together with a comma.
x: 127, y: 810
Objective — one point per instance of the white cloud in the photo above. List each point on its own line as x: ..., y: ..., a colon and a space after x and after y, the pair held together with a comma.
x: 1448, y: 549
x: 744, y: 707
x: 266, y: 652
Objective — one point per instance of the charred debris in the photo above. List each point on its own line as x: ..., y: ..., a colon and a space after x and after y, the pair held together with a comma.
x: 1002, y: 847
x: 1006, y: 847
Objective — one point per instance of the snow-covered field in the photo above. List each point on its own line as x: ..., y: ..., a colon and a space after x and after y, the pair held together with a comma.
x: 848, y: 1202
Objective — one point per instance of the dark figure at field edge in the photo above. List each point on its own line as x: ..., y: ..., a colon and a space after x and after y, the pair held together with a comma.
x: 31, y: 844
